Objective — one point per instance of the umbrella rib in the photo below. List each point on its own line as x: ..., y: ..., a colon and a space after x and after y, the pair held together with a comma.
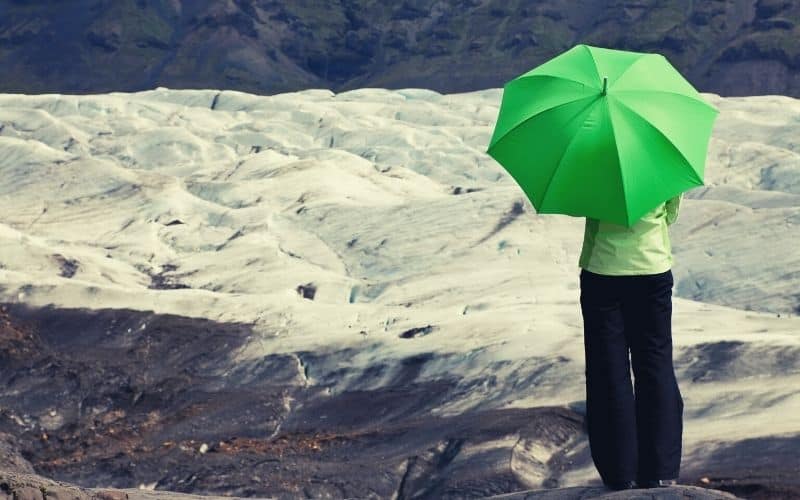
x: 537, y: 115
x: 662, y: 134
x: 619, y: 77
x: 648, y: 91
x: 561, y: 158
x: 543, y: 75
x: 596, y: 69
x: 621, y: 170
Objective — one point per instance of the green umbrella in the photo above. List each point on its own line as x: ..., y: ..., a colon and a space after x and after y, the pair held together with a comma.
x: 602, y: 133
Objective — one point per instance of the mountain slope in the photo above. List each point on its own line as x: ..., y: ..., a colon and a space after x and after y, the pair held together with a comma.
x: 729, y: 47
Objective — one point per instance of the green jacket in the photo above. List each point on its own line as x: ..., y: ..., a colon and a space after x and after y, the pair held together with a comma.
x: 644, y: 248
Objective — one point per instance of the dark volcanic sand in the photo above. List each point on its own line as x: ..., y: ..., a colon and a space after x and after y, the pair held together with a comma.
x: 92, y: 398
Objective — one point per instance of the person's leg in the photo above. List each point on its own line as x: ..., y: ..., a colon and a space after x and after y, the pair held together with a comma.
x: 610, y: 413
x: 659, y: 405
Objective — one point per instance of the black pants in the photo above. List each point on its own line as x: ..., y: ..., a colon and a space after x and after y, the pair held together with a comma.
x: 631, y: 435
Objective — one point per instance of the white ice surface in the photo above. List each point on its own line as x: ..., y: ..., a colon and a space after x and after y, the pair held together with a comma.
x: 353, y: 193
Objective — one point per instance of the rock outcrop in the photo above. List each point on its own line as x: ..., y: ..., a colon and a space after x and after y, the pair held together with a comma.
x: 21, y: 486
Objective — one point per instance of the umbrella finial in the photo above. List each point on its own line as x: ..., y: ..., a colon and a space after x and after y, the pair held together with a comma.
x: 605, y: 85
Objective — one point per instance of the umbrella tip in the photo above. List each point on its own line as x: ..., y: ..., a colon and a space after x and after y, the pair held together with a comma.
x: 605, y: 85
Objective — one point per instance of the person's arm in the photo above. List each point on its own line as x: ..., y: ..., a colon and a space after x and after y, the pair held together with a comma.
x: 673, y: 205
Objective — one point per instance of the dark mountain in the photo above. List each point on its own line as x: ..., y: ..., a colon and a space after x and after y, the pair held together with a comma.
x: 730, y: 47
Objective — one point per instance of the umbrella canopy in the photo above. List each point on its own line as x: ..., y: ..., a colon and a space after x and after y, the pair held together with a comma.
x: 602, y: 133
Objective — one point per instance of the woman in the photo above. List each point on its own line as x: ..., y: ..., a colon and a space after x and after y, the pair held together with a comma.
x: 626, y: 301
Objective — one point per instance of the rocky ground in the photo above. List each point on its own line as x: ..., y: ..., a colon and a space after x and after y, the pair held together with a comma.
x: 21, y: 486
x: 94, y: 401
